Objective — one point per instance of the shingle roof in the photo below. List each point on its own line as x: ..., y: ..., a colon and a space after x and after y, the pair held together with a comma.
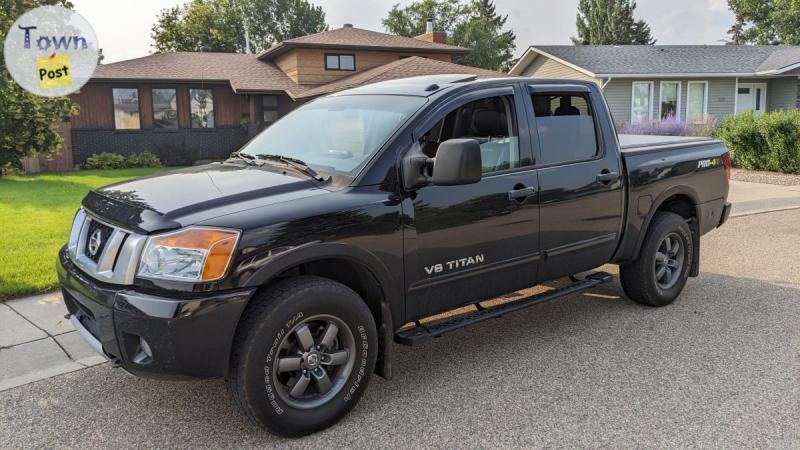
x: 677, y: 59
x: 402, y: 68
x: 245, y: 73
x: 349, y: 37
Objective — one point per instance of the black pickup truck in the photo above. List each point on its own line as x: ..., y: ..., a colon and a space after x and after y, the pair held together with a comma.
x: 292, y: 267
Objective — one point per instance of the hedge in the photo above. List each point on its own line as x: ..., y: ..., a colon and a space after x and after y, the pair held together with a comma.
x: 770, y: 141
x: 108, y: 160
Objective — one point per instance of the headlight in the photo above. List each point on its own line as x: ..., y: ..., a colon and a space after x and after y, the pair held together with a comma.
x: 192, y: 254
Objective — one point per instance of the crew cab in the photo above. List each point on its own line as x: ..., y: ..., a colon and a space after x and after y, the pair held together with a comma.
x: 291, y: 268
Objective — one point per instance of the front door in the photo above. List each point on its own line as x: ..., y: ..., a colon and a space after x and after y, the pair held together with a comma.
x: 751, y: 97
x: 580, y: 181
x: 474, y: 242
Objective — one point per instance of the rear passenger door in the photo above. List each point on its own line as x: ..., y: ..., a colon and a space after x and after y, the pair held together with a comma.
x: 580, y: 182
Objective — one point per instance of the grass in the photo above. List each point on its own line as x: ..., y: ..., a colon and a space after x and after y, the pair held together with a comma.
x: 36, y: 213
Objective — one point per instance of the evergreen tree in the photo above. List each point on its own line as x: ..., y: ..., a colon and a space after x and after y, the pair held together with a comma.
x: 610, y: 22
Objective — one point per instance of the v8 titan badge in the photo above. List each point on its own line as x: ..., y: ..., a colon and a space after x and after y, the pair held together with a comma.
x: 51, y: 51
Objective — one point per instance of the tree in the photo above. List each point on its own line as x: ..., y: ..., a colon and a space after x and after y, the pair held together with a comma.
x: 475, y: 25
x: 219, y: 25
x: 765, y: 21
x: 29, y: 123
x: 610, y: 22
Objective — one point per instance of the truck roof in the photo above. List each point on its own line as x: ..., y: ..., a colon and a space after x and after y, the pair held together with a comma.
x: 422, y: 86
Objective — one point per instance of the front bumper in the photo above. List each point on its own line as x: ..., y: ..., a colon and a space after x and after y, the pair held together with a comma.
x: 152, y: 335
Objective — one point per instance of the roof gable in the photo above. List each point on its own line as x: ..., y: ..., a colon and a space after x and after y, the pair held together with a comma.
x: 621, y: 60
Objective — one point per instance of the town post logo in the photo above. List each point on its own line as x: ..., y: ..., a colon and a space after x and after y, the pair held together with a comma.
x: 51, y: 51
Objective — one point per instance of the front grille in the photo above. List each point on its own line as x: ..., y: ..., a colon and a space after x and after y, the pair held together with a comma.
x: 104, y: 252
x: 96, y: 240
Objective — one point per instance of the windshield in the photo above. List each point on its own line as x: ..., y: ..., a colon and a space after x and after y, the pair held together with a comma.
x: 335, y: 133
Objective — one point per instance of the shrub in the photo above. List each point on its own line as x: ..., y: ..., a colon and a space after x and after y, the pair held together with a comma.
x: 770, y: 141
x: 144, y: 159
x: 108, y: 160
x: 670, y: 126
x: 105, y: 160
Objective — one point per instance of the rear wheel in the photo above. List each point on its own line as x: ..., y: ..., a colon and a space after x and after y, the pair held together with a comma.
x: 303, y: 356
x: 659, y: 274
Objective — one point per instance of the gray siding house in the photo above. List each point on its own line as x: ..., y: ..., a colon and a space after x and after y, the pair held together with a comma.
x: 691, y: 83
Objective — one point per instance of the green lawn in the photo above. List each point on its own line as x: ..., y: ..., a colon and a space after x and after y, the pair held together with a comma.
x: 36, y: 213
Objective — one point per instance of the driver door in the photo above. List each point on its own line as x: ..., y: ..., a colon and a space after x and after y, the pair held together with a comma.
x: 474, y: 242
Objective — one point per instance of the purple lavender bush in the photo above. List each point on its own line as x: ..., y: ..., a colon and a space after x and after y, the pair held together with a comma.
x: 670, y: 126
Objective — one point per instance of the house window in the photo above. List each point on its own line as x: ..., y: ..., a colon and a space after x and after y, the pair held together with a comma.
x: 340, y: 62
x: 642, y: 101
x: 270, y: 105
x: 566, y: 128
x: 697, y: 101
x: 126, y: 108
x: 670, y: 99
x: 165, y: 108
x: 202, y: 108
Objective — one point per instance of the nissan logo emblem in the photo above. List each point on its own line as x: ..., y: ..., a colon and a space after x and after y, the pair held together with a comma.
x: 94, y: 242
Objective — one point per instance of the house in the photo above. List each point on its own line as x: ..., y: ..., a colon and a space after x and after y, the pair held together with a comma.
x: 691, y: 83
x: 186, y: 106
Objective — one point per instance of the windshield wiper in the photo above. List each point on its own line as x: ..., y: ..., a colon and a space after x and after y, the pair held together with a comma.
x: 296, y: 164
x: 250, y: 160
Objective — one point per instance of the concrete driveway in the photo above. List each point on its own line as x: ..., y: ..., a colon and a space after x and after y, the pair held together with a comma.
x: 719, y: 368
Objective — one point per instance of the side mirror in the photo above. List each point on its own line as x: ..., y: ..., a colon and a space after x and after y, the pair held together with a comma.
x: 457, y: 162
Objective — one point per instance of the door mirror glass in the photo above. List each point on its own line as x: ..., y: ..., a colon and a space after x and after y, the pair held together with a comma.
x: 457, y: 162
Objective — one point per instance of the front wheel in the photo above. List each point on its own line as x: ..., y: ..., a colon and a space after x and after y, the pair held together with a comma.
x: 303, y: 355
x: 659, y: 274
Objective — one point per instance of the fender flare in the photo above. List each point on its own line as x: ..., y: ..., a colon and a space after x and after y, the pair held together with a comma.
x: 390, y: 306
x: 646, y: 222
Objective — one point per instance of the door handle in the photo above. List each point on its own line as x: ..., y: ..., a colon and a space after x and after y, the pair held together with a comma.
x: 521, y: 194
x: 607, y: 177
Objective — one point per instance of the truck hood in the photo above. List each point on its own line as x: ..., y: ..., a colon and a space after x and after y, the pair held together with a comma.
x: 174, y: 199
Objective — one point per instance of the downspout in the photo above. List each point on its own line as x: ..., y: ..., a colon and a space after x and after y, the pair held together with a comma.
x: 603, y: 87
x: 735, y: 97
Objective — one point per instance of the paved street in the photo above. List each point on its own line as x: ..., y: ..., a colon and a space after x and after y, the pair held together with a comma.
x: 719, y: 368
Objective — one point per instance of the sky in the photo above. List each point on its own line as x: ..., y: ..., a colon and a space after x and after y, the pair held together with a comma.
x: 123, y: 27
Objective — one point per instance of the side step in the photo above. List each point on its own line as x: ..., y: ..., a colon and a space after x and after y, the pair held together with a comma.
x: 424, y: 333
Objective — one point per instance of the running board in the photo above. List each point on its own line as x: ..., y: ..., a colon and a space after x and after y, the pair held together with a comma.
x: 424, y: 333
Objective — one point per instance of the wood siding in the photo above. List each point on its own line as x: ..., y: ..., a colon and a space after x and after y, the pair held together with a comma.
x: 543, y: 67
x: 308, y: 66
x: 97, y: 111
x: 782, y: 93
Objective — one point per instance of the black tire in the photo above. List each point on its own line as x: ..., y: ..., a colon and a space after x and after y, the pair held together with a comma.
x: 643, y: 280
x: 271, y: 330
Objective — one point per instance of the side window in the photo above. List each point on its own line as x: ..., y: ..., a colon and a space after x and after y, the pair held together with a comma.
x: 566, y: 128
x: 491, y: 121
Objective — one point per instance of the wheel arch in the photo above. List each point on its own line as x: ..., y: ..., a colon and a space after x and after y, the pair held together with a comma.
x: 681, y: 200
x: 357, y: 269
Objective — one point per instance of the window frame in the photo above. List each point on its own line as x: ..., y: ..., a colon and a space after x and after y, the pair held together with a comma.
x: 587, y: 96
x: 651, y: 85
x: 153, y: 109
x: 339, y: 61
x: 526, y: 159
x: 213, y: 108
x: 661, y: 97
x: 705, y: 100
x: 114, y: 113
